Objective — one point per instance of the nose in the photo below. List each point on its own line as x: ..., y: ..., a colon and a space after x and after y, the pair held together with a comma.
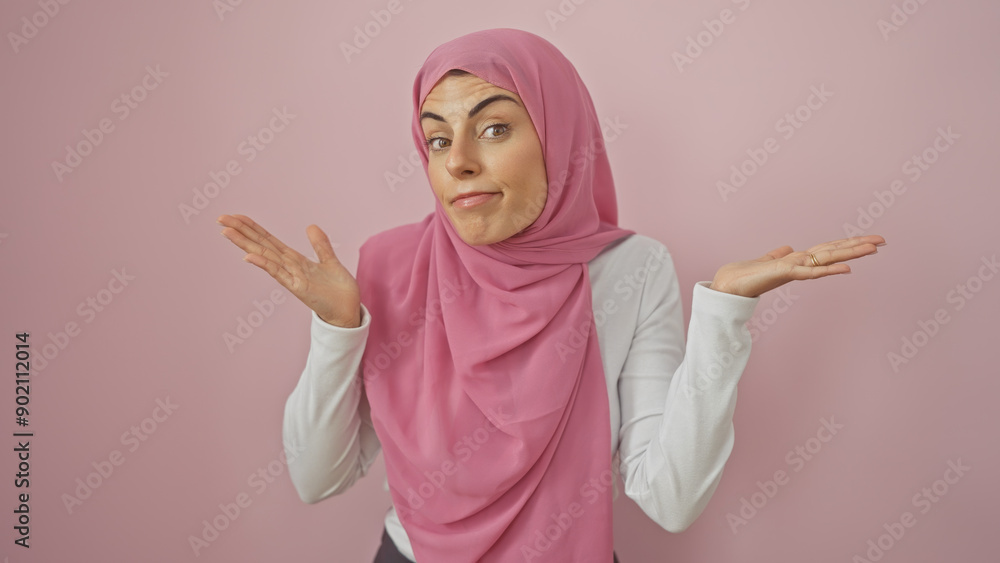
x: 463, y: 158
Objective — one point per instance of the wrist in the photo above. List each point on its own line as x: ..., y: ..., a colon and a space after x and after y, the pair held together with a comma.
x: 723, y: 288
x: 351, y: 323
x: 718, y: 287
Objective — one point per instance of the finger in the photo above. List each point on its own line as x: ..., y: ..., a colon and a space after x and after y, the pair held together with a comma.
x: 254, y: 239
x: 251, y: 230
x: 275, y: 270
x: 244, y: 226
x: 289, y: 264
x: 812, y: 272
x: 237, y: 237
x: 321, y: 244
x: 828, y: 257
x: 848, y: 242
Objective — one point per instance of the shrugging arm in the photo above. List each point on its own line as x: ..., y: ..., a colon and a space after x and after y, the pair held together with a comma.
x: 678, y: 401
x: 327, y: 418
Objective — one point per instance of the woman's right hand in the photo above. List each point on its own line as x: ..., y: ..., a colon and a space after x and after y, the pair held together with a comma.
x: 326, y: 287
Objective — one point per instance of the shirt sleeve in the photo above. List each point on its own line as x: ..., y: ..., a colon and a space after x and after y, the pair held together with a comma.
x: 327, y: 427
x: 678, y: 400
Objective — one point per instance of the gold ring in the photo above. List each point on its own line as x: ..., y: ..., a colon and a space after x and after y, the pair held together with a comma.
x: 813, y: 258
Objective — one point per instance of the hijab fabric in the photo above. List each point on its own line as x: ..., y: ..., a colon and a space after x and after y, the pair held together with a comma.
x: 482, y: 365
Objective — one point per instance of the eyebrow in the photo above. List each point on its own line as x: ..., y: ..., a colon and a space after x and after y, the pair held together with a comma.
x: 472, y: 113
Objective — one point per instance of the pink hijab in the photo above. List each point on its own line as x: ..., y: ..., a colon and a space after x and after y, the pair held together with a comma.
x: 482, y: 365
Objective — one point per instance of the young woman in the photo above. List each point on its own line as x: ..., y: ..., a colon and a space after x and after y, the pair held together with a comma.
x: 515, y: 350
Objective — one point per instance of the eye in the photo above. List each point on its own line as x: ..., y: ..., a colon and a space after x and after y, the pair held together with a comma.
x: 495, y: 125
x: 430, y: 143
x: 435, y: 148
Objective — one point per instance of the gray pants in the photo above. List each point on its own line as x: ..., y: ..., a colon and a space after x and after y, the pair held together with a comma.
x: 387, y: 552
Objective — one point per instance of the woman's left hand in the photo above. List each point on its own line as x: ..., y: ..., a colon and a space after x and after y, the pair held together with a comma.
x: 751, y: 278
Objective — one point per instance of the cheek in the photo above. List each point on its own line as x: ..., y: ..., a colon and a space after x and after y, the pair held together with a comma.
x: 533, y: 176
x: 528, y: 166
x: 437, y: 181
x: 532, y: 187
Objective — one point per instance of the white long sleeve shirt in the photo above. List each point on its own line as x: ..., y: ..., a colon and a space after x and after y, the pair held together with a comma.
x: 671, y: 404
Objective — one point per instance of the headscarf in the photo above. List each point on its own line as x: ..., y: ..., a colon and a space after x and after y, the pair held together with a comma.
x: 482, y: 366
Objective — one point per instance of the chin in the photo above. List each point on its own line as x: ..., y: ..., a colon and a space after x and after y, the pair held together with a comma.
x: 478, y: 239
x: 474, y: 235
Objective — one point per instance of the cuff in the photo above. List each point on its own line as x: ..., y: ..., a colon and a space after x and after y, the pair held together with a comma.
x: 722, y: 304
x: 338, y: 337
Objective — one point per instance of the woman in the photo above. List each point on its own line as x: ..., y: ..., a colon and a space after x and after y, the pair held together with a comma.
x: 485, y: 349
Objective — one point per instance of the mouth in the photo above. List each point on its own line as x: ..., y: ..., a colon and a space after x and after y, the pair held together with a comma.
x: 473, y: 199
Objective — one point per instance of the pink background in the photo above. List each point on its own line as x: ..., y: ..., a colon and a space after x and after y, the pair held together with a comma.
x: 162, y: 335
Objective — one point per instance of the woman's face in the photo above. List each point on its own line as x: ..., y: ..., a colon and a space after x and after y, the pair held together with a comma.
x: 489, y: 149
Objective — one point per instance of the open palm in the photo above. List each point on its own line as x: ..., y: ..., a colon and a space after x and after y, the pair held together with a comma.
x: 751, y: 278
x: 326, y: 287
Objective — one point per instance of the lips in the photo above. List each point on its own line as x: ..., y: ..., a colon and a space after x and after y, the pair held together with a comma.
x: 459, y: 197
x: 473, y: 199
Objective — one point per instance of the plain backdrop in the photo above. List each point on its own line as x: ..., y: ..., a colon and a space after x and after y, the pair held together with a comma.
x: 901, y: 354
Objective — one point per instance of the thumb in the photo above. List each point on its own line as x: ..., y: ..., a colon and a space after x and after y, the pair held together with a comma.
x: 321, y: 244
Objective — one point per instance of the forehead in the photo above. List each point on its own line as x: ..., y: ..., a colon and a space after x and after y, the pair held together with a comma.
x: 458, y: 94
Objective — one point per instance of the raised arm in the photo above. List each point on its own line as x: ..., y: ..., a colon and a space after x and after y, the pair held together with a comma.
x: 327, y: 426
x: 678, y: 400
x: 327, y: 416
